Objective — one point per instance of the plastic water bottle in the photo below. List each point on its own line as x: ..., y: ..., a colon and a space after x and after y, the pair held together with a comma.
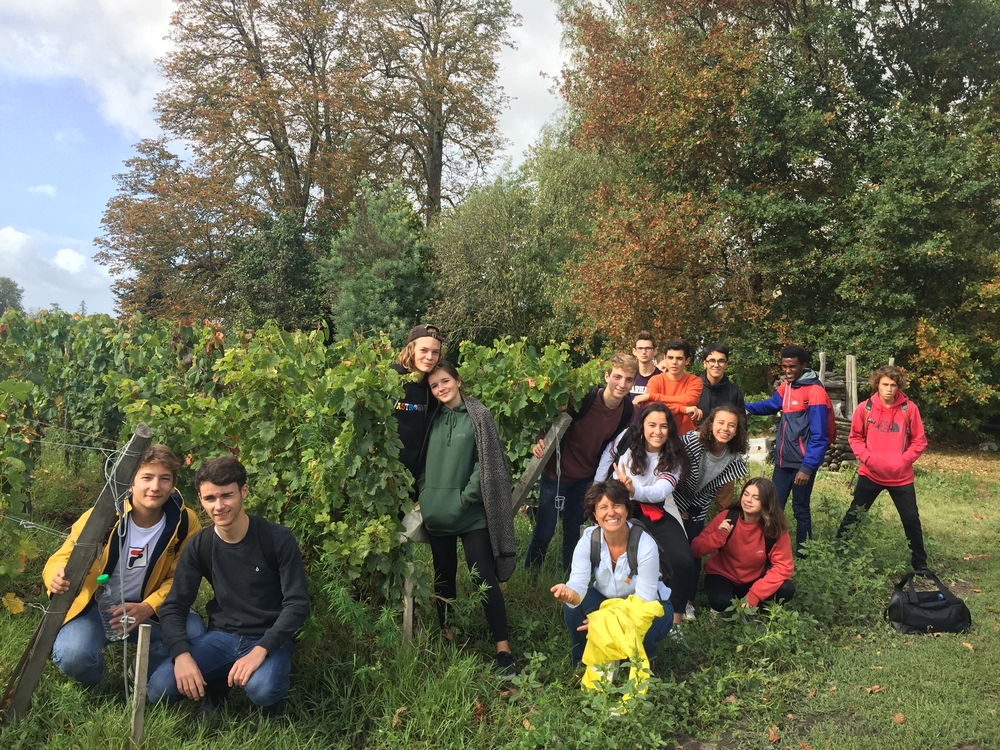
x: 107, y: 602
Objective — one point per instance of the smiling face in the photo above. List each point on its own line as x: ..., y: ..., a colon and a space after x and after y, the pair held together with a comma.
x: 426, y: 353
x: 887, y: 390
x: 223, y: 503
x: 750, y: 502
x: 151, y: 487
x: 674, y: 362
x: 724, y: 427
x: 445, y: 388
x: 610, y: 516
x: 655, y: 431
x: 715, y: 366
x: 792, y: 368
x: 619, y: 382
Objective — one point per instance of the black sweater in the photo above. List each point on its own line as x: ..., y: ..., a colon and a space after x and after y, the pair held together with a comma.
x: 722, y: 393
x: 413, y: 415
x: 251, y: 598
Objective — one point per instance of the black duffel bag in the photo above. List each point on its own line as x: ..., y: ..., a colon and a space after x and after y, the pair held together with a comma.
x: 940, y: 611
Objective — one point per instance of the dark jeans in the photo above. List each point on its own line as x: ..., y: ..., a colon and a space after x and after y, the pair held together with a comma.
x: 693, y: 529
x: 547, y: 515
x: 676, y: 560
x: 479, y: 558
x: 575, y: 616
x: 784, y: 482
x: 721, y: 591
x: 905, y: 500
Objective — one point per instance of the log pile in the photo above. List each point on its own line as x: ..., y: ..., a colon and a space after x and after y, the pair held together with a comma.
x: 839, y: 452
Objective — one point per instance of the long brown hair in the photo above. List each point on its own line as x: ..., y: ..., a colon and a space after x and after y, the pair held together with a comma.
x: 672, y: 457
x: 772, y: 515
x: 740, y: 442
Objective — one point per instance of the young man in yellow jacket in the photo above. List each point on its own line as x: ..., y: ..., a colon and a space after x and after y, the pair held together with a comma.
x: 140, y: 557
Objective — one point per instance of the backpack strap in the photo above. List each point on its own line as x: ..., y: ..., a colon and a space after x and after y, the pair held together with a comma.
x: 864, y: 424
x: 587, y: 402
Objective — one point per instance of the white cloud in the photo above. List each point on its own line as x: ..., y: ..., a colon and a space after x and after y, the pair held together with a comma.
x: 68, y: 136
x: 69, y: 260
x: 48, y: 190
x: 110, y: 45
x: 66, y: 278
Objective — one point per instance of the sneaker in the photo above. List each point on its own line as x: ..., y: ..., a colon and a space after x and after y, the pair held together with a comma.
x: 924, y: 571
x: 676, y: 633
x: 504, y: 667
x: 688, y: 612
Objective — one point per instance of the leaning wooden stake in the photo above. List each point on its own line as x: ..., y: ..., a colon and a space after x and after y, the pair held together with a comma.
x: 851, y: 378
x: 408, y: 604
x: 535, y: 466
x: 139, y: 691
x: 24, y: 679
x: 822, y: 367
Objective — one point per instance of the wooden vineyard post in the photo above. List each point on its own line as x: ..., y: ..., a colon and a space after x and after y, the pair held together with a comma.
x: 851, y: 381
x: 25, y: 678
x: 535, y: 466
x: 139, y: 692
x: 408, y: 605
x: 822, y: 367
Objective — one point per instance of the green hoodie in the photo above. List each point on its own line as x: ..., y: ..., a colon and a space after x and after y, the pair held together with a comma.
x: 451, y: 501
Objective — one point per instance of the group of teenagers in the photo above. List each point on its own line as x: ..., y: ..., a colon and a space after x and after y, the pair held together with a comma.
x: 646, y: 456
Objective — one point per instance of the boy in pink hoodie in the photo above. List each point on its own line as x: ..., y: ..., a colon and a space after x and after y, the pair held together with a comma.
x: 887, y: 436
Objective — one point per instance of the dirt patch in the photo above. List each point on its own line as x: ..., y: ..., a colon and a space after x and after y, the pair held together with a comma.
x: 969, y: 461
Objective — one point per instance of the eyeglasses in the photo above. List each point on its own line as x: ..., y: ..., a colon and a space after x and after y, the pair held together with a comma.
x: 716, y: 362
x: 645, y: 348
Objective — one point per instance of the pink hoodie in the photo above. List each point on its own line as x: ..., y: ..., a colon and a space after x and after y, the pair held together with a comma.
x: 888, y: 449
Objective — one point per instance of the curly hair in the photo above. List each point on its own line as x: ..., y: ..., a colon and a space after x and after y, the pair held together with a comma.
x: 740, y: 443
x: 673, y: 458
x: 887, y: 371
x: 772, y: 515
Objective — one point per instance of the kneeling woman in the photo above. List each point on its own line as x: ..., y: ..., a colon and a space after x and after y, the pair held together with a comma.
x: 465, y: 492
x: 608, y: 503
x: 648, y: 458
x: 751, y: 554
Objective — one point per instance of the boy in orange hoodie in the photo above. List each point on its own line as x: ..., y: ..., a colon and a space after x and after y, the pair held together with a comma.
x: 674, y: 387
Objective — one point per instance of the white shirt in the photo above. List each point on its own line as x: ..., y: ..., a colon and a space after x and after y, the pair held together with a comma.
x: 652, y: 487
x: 612, y: 580
x: 134, y: 558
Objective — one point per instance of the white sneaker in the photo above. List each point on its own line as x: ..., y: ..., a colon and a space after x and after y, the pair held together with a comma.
x: 688, y: 612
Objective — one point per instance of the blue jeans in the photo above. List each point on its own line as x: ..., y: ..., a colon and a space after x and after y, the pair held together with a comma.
x: 215, y: 652
x: 575, y: 616
x: 78, y: 650
x: 547, y: 515
x: 784, y: 482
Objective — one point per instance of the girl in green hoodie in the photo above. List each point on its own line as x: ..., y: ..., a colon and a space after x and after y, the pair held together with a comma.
x: 465, y: 492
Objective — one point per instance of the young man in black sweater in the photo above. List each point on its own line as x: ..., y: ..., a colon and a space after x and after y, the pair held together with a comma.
x: 261, y: 600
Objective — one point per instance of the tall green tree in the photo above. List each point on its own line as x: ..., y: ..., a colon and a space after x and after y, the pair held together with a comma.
x: 376, y: 277
x: 10, y: 295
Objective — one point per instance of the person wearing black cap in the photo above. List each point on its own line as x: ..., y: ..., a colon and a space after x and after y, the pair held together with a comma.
x: 420, y: 355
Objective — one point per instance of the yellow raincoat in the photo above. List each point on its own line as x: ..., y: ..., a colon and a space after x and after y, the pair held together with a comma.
x: 615, y: 631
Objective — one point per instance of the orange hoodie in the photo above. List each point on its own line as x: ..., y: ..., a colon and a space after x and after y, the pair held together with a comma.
x: 676, y: 395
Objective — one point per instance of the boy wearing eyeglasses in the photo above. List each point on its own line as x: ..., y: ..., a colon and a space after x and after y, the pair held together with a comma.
x: 717, y: 388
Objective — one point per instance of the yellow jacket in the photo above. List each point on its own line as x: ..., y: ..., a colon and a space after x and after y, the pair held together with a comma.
x: 182, y: 523
x: 615, y: 631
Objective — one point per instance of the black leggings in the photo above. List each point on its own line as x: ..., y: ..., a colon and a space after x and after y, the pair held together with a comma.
x: 676, y: 560
x: 721, y: 591
x: 479, y: 558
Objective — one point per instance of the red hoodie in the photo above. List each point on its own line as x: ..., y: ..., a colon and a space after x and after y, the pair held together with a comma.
x: 741, y: 559
x: 890, y: 442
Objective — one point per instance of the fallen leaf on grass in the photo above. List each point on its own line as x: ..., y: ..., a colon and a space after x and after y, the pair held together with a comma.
x: 508, y: 692
x: 990, y: 609
x: 978, y: 516
x: 811, y: 693
x: 12, y: 603
x: 804, y: 746
x: 477, y: 713
x: 772, y: 735
x: 729, y: 699
x: 993, y: 712
x: 977, y: 591
x: 396, y: 716
x: 983, y: 556
x: 898, y: 718
x: 527, y: 725
x: 833, y: 688
x: 875, y: 666
x: 873, y: 689
x: 968, y: 646
x: 791, y: 716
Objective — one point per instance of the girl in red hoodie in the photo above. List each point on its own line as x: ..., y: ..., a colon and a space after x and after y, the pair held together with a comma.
x: 753, y: 556
x: 887, y: 436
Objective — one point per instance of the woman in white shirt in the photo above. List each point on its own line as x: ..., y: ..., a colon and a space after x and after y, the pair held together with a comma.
x: 609, y: 505
x: 648, y: 458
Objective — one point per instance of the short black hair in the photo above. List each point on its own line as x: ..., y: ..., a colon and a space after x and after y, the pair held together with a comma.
x: 716, y: 347
x: 794, y: 351
x: 220, y: 471
x: 679, y: 344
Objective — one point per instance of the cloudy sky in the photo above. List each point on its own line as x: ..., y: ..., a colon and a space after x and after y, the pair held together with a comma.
x: 77, y: 81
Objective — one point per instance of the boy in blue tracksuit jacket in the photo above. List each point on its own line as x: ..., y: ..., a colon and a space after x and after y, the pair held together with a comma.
x: 802, y: 434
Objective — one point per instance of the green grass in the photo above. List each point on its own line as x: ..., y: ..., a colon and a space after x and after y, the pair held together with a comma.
x: 809, y: 676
